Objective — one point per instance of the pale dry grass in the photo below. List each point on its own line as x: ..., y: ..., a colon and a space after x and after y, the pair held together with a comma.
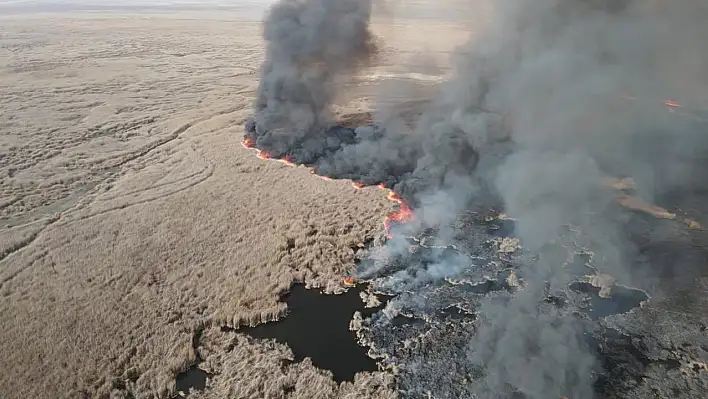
x: 250, y: 368
x: 132, y: 217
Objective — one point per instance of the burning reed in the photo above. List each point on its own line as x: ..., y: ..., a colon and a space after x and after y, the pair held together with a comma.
x: 527, y: 119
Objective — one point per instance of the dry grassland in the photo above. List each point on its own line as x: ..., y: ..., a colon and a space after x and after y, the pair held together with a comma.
x: 250, y: 369
x: 131, y: 216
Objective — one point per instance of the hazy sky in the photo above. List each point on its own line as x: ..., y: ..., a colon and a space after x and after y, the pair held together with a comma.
x: 445, y: 9
x: 22, y: 6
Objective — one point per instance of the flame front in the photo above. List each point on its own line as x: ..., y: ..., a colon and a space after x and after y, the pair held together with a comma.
x: 392, y: 196
x: 263, y: 155
x: 248, y: 142
x: 287, y: 161
x: 320, y: 176
x: 403, y: 215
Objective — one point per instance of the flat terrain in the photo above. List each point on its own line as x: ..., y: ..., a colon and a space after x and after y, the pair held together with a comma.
x: 131, y: 218
x: 134, y: 225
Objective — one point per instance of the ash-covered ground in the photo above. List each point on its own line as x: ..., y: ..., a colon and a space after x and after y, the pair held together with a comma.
x: 643, y: 346
x: 559, y: 113
x: 640, y: 336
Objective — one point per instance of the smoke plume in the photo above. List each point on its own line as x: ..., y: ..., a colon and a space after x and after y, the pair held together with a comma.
x: 310, y: 45
x: 545, y: 104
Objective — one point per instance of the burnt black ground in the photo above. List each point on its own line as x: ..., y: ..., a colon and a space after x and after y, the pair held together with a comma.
x: 649, y: 337
x: 647, y: 347
x: 649, y: 342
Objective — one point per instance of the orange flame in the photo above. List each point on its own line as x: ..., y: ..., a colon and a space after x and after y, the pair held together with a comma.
x: 392, y: 196
x: 248, y: 142
x: 320, y: 176
x: 669, y: 103
x: 403, y: 215
x: 287, y: 161
x: 349, y: 281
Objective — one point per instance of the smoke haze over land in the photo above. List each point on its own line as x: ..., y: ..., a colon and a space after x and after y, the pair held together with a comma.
x: 536, y: 114
x: 134, y: 226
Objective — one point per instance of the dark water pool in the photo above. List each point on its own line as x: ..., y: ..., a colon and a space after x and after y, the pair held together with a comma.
x: 317, y: 326
x: 623, y: 299
x: 194, y: 377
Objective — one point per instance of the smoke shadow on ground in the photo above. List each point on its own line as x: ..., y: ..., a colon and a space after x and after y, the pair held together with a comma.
x: 317, y: 326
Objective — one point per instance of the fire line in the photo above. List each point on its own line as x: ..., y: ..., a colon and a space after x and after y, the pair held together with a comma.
x: 403, y: 215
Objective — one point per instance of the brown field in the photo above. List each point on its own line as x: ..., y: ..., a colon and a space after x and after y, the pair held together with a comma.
x: 131, y: 217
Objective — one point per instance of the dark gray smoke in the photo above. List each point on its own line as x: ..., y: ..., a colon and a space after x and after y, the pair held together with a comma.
x: 533, y: 115
x: 546, y: 81
x: 310, y: 45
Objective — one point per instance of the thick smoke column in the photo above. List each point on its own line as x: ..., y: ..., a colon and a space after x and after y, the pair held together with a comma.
x: 313, y: 46
x: 310, y: 45
x: 534, y: 116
